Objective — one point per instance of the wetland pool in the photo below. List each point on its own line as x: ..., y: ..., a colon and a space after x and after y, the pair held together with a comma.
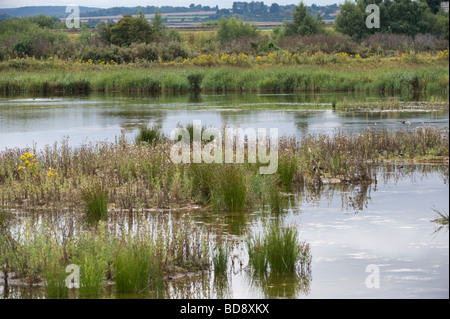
x: 28, y: 121
x: 348, y: 228
x: 386, y: 223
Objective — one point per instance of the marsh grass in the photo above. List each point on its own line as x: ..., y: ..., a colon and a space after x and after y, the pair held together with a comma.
x: 156, y: 276
x: 95, y: 199
x: 149, y: 134
x: 384, y: 78
x: 132, y: 269
x: 257, y: 253
x: 286, y: 169
x: 55, y: 284
x: 232, y: 187
x: 92, y: 276
x: 136, y: 259
x: 441, y: 219
x: 283, y: 249
x: 277, y: 250
x: 272, y: 194
x: 126, y: 176
x: 195, y: 81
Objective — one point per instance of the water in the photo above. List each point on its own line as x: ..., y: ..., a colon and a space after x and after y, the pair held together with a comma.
x: 348, y: 227
x: 387, y: 225
x: 25, y: 121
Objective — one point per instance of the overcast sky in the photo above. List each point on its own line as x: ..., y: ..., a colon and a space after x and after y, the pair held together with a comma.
x: 144, y: 3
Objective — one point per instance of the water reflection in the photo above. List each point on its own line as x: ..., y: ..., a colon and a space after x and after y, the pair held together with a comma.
x: 441, y: 220
x: 222, y: 286
x: 99, y: 117
x: 276, y: 286
x: 21, y: 292
x: 357, y: 197
x: 388, y: 230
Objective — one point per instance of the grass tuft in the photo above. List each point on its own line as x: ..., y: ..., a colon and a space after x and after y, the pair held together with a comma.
x: 95, y: 199
x: 148, y: 134
x: 277, y: 250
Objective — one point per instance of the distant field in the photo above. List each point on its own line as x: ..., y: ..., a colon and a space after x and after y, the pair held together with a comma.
x: 177, y: 15
x: 196, y: 13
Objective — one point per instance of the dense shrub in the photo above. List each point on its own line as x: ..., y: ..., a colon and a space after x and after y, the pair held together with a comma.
x: 318, y: 42
x: 175, y: 50
x: 233, y: 29
x: 130, y: 30
x: 24, y: 47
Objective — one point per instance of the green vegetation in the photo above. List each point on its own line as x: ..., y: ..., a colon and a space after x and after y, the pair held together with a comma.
x: 398, y: 17
x: 136, y: 260
x: 95, y: 199
x: 131, y: 30
x: 257, y: 253
x: 234, y: 29
x: 141, y: 176
x: 134, y: 39
x: 303, y: 23
x: 278, y: 250
x: 441, y: 219
x: 133, y: 268
x: 233, y: 188
x: 148, y: 134
x: 362, y: 77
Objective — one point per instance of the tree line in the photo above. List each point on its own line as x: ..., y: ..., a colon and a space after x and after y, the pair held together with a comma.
x: 422, y: 25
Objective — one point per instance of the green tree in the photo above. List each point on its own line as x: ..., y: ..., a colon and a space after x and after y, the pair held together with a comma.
x: 441, y: 26
x: 140, y: 14
x: 434, y: 5
x: 303, y: 23
x: 158, y: 24
x: 103, y: 31
x: 351, y: 21
x: 85, y: 35
x: 410, y: 17
x: 233, y: 29
x: 396, y: 16
x: 131, y: 30
x: 46, y: 22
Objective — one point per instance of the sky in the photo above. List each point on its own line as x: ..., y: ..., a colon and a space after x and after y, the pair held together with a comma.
x: 144, y: 3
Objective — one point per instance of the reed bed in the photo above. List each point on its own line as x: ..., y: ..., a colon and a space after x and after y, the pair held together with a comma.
x: 141, y: 176
x: 278, y: 79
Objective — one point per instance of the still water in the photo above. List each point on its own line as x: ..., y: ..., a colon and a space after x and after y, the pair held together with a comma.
x: 348, y: 227
x: 25, y: 121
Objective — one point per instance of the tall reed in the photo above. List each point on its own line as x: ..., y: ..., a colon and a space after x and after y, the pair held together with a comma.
x: 55, y: 284
x: 133, y: 266
x: 277, y: 250
x: 95, y: 199
x: 283, y: 249
x: 257, y: 253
